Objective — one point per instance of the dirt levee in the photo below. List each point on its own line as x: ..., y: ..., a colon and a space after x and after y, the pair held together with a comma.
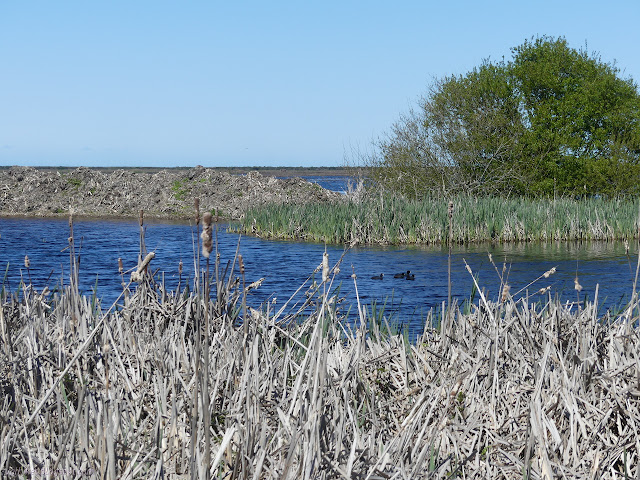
x: 165, y: 194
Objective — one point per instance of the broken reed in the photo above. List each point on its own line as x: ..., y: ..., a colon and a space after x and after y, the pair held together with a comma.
x: 510, y: 390
x: 387, y: 219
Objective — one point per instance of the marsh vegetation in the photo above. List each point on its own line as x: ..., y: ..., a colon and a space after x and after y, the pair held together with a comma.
x: 393, y: 219
x: 194, y: 383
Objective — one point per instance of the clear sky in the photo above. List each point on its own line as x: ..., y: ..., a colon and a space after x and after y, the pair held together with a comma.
x: 254, y: 83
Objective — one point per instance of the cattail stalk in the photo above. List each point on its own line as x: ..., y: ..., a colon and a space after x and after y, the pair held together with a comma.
x: 27, y: 265
x: 450, y: 242
x: 207, y: 247
x: 143, y: 247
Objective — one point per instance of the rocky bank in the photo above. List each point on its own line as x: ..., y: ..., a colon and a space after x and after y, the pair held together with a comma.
x: 165, y: 194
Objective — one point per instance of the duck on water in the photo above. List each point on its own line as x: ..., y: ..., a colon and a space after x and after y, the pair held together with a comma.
x: 406, y: 274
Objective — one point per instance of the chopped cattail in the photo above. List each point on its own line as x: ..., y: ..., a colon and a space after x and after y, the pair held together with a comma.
x: 626, y: 247
x: 138, y: 275
x: 207, y: 242
x: 255, y: 284
x: 548, y: 273
x: 490, y: 258
x: 241, y: 263
x: 577, y: 285
x: 325, y: 266
x: 27, y: 263
x: 120, y: 267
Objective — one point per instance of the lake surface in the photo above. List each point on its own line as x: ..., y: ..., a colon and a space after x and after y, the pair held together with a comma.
x: 286, y: 265
x: 336, y: 183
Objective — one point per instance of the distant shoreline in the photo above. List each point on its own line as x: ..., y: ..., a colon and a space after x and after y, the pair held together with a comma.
x: 267, y: 171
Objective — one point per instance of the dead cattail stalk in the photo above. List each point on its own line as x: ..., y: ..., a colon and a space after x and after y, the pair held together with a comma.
x: 143, y: 247
x: 207, y: 247
x: 450, y: 242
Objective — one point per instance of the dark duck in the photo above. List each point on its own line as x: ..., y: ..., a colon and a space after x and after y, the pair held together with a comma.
x: 403, y: 274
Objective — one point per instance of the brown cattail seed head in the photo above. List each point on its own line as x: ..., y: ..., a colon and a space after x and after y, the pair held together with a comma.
x: 141, y: 218
x: 207, y: 241
x: 450, y: 209
x: 505, y: 292
x: 180, y: 268
x: 196, y: 203
x: 70, y: 219
x: 241, y: 264
x: 27, y: 263
x: 120, y: 267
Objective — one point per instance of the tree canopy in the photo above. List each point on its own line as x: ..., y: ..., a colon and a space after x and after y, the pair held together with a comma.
x: 552, y: 120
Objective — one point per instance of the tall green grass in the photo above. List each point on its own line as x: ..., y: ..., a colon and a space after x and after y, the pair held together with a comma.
x: 386, y: 219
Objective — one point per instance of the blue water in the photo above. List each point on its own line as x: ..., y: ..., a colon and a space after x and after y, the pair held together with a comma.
x: 286, y: 265
x: 336, y: 183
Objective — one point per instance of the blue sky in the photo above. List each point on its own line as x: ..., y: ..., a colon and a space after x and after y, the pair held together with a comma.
x: 248, y: 83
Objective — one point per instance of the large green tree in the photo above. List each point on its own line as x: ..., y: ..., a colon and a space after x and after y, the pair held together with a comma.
x: 552, y: 120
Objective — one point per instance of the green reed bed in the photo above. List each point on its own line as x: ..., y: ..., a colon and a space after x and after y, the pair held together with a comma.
x: 194, y: 384
x: 387, y: 219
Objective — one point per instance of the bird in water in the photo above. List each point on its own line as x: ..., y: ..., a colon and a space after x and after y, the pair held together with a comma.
x: 410, y: 276
x: 378, y: 277
x: 403, y: 274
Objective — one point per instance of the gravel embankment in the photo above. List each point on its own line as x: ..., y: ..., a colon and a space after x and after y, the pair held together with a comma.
x: 165, y: 194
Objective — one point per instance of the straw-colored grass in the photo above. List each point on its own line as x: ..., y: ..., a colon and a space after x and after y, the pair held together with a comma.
x: 508, y: 390
x: 387, y: 219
